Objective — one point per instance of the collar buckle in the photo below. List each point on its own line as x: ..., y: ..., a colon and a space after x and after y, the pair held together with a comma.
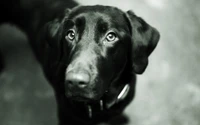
x: 123, y: 93
x: 89, y: 111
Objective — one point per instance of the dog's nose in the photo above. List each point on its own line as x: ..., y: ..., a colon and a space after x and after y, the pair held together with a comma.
x: 79, y: 79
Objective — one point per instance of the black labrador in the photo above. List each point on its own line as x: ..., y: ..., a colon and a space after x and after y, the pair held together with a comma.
x: 89, y: 54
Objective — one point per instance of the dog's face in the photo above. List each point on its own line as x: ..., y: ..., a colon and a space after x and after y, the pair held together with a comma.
x: 98, y: 42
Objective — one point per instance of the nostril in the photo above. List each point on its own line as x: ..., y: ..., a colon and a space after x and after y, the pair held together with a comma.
x: 69, y: 82
x: 82, y: 83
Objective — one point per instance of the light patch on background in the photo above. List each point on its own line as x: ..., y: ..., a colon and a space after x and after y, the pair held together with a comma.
x: 194, y: 91
x: 159, y: 4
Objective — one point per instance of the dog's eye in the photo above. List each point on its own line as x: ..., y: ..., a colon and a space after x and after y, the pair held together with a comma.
x: 111, y: 37
x: 71, y: 34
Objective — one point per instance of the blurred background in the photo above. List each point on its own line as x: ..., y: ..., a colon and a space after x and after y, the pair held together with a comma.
x: 168, y: 93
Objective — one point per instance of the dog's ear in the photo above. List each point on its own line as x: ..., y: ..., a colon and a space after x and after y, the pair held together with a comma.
x: 54, y: 28
x: 144, y: 40
x: 51, y: 32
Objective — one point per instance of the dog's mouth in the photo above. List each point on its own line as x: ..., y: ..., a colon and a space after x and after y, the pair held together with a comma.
x: 79, y: 96
x: 82, y: 99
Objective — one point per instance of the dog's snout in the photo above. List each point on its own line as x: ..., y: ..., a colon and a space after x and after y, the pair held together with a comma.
x: 78, y: 79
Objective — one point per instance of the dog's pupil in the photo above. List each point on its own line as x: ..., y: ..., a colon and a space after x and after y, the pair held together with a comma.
x: 111, y: 36
x: 71, y: 35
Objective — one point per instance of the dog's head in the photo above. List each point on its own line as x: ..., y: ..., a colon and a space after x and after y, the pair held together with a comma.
x: 95, y: 44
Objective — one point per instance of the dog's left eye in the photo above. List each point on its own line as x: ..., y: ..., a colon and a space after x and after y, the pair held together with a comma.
x: 71, y: 34
x: 111, y: 37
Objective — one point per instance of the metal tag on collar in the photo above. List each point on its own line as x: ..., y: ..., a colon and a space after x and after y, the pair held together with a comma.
x: 89, y: 111
x: 101, y: 105
x: 123, y: 93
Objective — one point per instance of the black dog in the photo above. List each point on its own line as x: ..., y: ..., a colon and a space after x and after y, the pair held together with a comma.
x: 89, y: 54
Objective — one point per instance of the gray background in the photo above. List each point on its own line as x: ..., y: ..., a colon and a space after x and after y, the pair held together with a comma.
x: 168, y: 93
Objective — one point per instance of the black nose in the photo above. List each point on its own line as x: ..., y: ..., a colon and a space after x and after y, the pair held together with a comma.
x: 79, y: 79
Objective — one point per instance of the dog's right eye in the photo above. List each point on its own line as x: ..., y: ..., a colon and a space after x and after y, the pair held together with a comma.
x: 70, y: 35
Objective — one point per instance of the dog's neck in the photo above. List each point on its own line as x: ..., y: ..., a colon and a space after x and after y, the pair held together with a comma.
x: 105, y: 104
x: 116, y: 93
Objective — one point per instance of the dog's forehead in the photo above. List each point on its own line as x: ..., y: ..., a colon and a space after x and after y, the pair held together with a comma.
x: 107, y: 10
x: 95, y: 13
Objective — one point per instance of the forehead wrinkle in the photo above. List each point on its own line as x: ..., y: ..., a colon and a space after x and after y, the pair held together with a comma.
x: 80, y: 25
x: 102, y: 25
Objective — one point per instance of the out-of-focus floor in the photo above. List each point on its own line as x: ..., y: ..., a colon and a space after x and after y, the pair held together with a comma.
x: 168, y: 93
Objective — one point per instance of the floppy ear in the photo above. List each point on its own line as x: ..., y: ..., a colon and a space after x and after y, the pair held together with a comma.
x: 49, y: 46
x: 144, y: 40
x: 51, y: 32
x: 54, y: 28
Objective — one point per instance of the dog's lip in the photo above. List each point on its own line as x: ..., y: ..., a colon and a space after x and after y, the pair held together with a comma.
x: 80, y: 98
x: 84, y: 98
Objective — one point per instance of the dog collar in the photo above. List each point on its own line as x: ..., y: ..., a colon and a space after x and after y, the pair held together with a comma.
x: 102, y: 104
